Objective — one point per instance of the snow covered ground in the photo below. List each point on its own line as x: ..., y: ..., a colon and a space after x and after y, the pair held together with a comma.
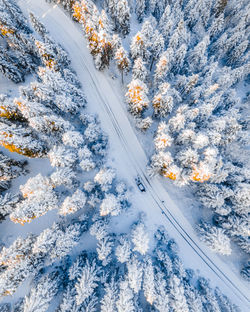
x: 5, y: 84
x: 128, y: 157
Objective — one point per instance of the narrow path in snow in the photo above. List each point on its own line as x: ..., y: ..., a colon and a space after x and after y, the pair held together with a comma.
x: 105, y: 99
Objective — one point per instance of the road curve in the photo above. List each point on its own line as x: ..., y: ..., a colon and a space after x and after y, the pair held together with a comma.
x: 104, y: 95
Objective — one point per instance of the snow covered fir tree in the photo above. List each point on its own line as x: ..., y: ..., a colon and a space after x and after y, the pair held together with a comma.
x: 124, y: 166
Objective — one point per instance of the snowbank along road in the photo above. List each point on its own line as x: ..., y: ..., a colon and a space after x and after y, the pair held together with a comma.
x: 105, y: 97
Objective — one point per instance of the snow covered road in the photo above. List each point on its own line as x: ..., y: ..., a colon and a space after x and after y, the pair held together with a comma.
x: 104, y: 97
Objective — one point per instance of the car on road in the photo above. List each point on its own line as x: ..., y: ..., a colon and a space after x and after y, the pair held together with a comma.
x: 139, y: 184
x: 113, y: 76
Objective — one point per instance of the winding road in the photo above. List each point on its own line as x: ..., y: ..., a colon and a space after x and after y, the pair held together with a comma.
x: 104, y: 97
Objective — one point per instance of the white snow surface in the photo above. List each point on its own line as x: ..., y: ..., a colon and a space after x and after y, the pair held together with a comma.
x: 5, y: 84
x: 126, y: 154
